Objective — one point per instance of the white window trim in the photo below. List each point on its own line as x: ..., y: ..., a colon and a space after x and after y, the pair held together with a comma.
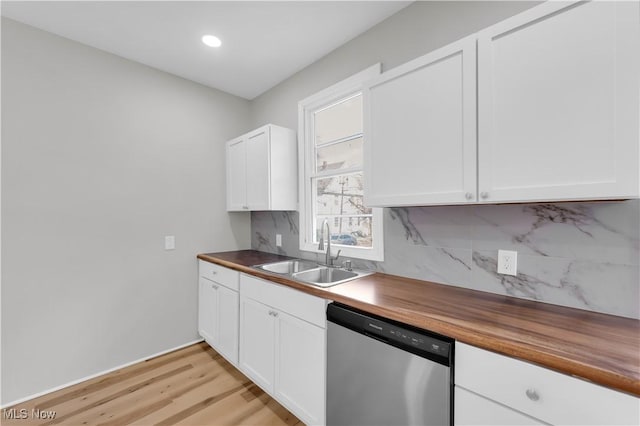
x: 338, y: 91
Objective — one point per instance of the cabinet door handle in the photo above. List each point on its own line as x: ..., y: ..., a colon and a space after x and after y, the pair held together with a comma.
x: 245, y: 207
x: 275, y: 314
x: 214, y: 272
x: 468, y: 195
x: 215, y: 287
x: 484, y: 195
x: 532, y: 394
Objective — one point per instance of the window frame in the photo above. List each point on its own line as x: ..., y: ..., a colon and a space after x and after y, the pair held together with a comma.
x: 306, y: 161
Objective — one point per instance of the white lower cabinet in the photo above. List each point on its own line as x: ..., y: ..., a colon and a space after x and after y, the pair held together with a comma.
x: 218, y: 304
x: 257, y: 337
x: 473, y: 409
x: 283, y: 345
x: 496, y: 389
x: 228, y: 305
x: 300, y: 371
x: 207, y: 301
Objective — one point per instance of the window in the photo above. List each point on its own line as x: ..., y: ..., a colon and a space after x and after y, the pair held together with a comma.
x: 331, y: 180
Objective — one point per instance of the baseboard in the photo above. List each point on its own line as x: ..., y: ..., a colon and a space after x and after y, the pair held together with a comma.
x: 93, y: 376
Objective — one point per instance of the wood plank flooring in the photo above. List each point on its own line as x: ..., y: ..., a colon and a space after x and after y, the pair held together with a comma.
x: 191, y: 386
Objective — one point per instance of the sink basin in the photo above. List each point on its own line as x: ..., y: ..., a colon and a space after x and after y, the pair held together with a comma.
x: 311, y: 273
x: 288, y: 267
x: 326, y: 277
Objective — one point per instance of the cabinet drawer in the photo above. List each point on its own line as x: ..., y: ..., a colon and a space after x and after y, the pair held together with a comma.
x: 472, y: 409
x: 544, y: 394
x: 225, y: 276
x: 304, y: 306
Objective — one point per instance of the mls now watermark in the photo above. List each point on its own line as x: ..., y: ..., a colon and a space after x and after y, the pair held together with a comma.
x: 23, y: 414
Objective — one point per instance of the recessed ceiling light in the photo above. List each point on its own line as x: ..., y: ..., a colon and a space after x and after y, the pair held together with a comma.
x: 212, y: 41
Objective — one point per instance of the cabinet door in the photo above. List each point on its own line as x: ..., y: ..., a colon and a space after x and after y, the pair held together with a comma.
x: 257, y: 342
x: 420, y: 130
x: 228, y: 306
x: 258, y: 163
x: 236, y: 175
x: 552, y: 397
x: 558, y: 104
x: 472, y: 409
x: 300, y: 368
x: 207, y: 311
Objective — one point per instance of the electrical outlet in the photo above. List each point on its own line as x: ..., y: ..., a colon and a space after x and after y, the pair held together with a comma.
x: 169, y: 242
x: 507, y: 262
x: 278, y: 240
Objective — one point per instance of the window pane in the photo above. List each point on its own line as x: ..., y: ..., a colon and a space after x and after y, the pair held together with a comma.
x: 338, y: 156
x: 346, y: 230
x: 339, y: 195
x: 339, y: 121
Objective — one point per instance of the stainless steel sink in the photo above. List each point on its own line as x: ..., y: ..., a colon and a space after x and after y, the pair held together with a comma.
x: 288, y: 267
x: 312, y: 273
x: 326, y: 277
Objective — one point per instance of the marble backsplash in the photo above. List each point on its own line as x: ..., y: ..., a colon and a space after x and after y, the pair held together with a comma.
x: 581, y: 255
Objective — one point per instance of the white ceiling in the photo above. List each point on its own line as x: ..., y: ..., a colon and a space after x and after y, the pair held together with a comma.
x: 263, y: 43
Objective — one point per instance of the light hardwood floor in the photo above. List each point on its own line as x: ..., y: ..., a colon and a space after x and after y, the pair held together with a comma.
x: 191, y: 386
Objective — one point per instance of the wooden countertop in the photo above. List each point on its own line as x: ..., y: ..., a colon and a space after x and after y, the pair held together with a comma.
x: 603, y: 349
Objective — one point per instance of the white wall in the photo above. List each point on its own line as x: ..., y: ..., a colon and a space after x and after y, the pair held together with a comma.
x: 102, y: 157
x: 414, y: 31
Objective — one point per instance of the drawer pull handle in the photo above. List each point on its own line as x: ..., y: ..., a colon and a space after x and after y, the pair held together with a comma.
x: 468, y: 195
x: 532, y: 394
x: 484, y: 195
x: 215, y: 287
x: 214, y: 272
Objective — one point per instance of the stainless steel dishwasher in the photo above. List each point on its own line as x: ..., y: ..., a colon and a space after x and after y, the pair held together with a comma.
x: 380, y: 372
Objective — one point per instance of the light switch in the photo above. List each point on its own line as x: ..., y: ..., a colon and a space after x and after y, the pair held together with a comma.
x: 278, y: 240
x: 169, y: 242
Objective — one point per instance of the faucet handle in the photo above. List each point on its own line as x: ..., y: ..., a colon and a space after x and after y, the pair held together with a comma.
x: 336, y: 256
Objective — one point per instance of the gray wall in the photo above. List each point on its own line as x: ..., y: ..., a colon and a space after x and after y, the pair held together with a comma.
x: 582, y: 255
x: 101, y: 158
x: 417, y: 29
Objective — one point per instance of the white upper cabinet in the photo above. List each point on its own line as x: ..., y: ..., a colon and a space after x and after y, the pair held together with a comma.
x: 420, y: 130
x: 258, y: 164
x: 556, y: 110
x: 558, y: 104
x: 236, y: 175
x: 262, y: 170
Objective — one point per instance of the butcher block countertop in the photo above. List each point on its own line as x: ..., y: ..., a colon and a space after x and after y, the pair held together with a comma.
x: 601, y: 348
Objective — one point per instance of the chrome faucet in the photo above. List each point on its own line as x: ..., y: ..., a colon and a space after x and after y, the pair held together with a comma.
x: 328, y: 258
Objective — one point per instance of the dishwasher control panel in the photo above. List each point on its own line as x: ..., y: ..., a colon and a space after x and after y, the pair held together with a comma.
x: 406, y: 337
x: 420, y: 342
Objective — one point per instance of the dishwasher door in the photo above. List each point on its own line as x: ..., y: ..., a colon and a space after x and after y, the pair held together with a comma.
x: 370, y: 382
